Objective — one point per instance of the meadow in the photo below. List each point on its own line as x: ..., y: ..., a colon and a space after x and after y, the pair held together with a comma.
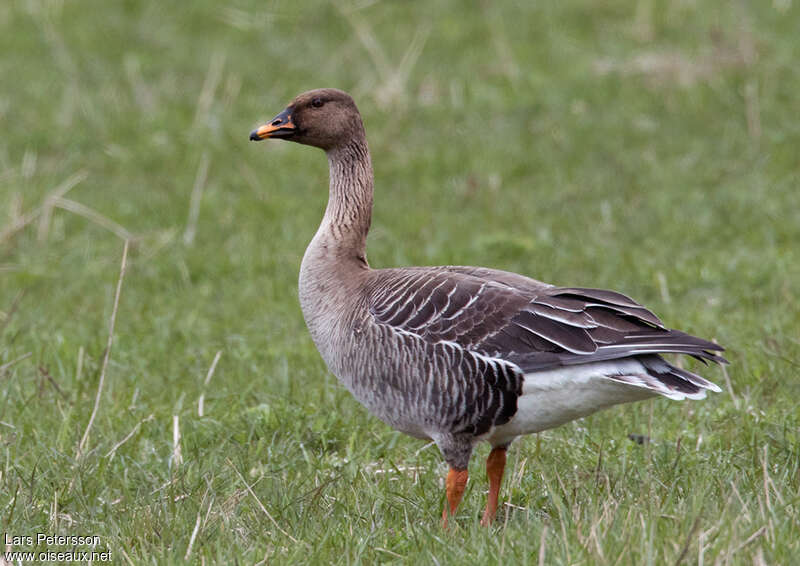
x: 649, y: 147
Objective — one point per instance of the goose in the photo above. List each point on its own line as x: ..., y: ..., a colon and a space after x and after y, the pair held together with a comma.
x: 458, y: 355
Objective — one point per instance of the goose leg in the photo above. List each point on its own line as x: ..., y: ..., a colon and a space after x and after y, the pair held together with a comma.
x: 455, y: 485
x: 495, y: 466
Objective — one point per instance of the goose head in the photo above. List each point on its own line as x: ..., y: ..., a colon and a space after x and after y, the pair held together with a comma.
x: 326, y: 118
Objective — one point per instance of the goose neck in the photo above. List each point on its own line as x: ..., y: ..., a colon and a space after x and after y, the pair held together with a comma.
x: 349, y: 211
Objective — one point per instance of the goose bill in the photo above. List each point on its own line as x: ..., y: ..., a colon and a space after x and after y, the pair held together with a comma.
x: 281, y: 126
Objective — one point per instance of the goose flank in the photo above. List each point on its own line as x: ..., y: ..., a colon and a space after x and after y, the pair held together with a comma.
x: 461, y: 354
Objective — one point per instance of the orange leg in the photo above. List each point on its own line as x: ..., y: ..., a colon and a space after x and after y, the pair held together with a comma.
x: 495, y: 466
x: 455, y: 485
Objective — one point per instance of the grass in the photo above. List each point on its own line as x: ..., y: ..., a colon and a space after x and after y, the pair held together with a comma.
x: 647, y: 147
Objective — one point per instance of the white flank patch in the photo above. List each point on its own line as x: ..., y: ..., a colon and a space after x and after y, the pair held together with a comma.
x: 554, y: 397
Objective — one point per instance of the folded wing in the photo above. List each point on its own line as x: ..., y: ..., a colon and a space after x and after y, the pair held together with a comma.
x: 529, y: 323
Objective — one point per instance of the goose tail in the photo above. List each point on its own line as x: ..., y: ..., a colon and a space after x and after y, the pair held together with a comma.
x: 665, y: 379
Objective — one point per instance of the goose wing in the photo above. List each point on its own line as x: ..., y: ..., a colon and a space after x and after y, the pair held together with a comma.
x: 521, y: 320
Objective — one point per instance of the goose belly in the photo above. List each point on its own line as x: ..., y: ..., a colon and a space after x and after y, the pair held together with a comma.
x: 391, y: 388
x: 393, y: 407
x: 554, y: 397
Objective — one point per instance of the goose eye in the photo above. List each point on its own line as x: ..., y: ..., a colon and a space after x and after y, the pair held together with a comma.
x: 317, y: 102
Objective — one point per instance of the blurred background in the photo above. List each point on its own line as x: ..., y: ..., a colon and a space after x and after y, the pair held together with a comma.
x: 649, y: 147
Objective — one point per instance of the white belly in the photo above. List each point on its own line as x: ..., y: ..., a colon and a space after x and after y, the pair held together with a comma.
x: 554, y: 397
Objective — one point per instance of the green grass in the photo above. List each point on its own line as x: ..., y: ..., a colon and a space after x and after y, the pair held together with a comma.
x: 647, y: 147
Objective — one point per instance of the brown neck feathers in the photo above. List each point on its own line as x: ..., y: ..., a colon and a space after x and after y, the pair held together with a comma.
x: 349, y: 210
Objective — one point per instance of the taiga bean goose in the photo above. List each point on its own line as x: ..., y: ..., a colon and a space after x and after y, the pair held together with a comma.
x: 463, y: 354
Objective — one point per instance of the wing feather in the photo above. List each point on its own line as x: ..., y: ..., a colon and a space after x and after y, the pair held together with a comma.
x: 574, y: 339
x: 534, y: 325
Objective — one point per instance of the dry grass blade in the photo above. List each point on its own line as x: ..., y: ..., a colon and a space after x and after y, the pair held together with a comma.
x: 543, y: 547
x: 206, y: 98
x: 125, y: 555
x: 44, y: 210
x: 367, y: 38
x: 79, y: 365
x: 50, y: 200
x: 94, y: 216
x: 261, y: 505
x: 177, y: 455
x: 394, y: 85
x: 393, y: 81
x: 751, y: 538
x: 194, y: 535
x: 194, y: 202
x: 7, y: 365
x: 107, y: 354
x: 729, y: 385
x: 110, y: 453
x: 209, y: 375
x: 213, y: 367
x: 410, y: 58
x: 20, y: 223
